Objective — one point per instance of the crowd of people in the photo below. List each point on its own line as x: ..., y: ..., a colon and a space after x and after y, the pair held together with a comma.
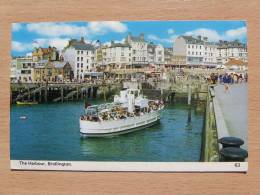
x: 228, y: 78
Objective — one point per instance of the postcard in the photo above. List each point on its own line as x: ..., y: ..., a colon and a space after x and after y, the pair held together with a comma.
x: 159, y: 96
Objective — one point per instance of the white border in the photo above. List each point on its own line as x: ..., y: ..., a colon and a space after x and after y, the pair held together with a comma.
x: 130, y: 166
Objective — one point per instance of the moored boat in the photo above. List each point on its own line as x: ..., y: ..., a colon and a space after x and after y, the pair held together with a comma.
x: 26, y: 103
x: 128, y: 112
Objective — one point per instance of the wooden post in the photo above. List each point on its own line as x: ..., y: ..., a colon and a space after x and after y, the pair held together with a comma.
x: 81, y: 93
x: 61, y: 94
x: 29, y: 94
x: 46, y: 94
x: 189, y: 94
x: 77, y: 92
x: 34, y: 96
x: 40, y: 96
x: 104, y: 94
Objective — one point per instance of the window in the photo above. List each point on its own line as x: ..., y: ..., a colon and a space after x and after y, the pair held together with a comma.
x: 188, y: 46
x: 81, y: 65
x: 81, y: 58
x: 77, y: 65
x: 78, y: 52
x: 81, y: 52
x: 77, y: 58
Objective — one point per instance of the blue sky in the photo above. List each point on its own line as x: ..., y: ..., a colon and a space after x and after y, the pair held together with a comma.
x: 26, y: 36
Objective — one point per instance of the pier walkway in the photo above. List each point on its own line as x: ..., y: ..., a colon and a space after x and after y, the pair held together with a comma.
x: 231, y: 111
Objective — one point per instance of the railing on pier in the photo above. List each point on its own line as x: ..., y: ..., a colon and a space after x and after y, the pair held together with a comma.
x: 210, y: 148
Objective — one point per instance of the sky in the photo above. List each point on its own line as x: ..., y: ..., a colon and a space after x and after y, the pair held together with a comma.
x: 26, y: 36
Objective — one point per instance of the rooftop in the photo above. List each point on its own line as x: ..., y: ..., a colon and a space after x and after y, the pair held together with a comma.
x: 231, y: 44
x: 236, y: 62
x: 80, y: 44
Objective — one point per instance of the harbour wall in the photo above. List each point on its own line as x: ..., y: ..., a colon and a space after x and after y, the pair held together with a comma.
x: 61, y: 92
x: 210, y: 147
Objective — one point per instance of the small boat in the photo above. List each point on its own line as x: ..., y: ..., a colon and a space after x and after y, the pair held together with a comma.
x: 26, y: 103
x: 129, y: 112
x: 23, y: 117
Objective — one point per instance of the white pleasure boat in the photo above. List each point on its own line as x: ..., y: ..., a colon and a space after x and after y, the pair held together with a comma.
x: 129, y: 112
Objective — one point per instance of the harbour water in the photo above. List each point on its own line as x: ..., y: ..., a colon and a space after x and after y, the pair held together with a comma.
x: 51, y: 132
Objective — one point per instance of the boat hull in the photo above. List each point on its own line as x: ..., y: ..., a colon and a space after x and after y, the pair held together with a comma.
x: 83, y: 135
x: 117, y: 127
x: 26, y: 103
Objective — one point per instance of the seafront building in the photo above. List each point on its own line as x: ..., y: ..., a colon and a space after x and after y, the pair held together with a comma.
x: 79, y: 60
x: 231, y: 50
x: 81, y: 57
x: 197, y: 51
x: 52, y: 71
x: 138, y: 50
x: 155, y: 54
x: 22, y: 69
x: 117, y: 55
x: 168, y: 56
x: 45, y: 54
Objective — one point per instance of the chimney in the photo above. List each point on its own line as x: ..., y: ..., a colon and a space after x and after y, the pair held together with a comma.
x: 141, y: 36
x: 128, y: 38
x: 82, y: 39
x: 205, y: 38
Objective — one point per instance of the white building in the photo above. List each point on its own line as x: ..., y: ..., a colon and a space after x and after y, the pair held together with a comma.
x: 22, y: 67
x: 210, y: 54
x: 117, y: 55
x: 81, y: 57
x: 139, y: 50
x: 13, y: 70
x: 231, y: 50
x: 198, y: 51
x: 155, y: 54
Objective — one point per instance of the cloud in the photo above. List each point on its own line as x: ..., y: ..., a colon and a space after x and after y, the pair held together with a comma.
x: 59, y: 43
x: 170, y: 31
x: 52, y: 29
x: 213, y: 35
x: 108, y: 43
x: 162, y: 40
x: 16, y: 27
x: 20, y: 47
x: 238, y: 33
x: 204, y: 32
x: 106, y: 26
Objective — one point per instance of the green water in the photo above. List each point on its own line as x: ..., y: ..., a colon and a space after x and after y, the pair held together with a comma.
x: 51, y: 132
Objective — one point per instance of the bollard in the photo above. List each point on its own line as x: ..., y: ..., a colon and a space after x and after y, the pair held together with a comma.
x: 233, y: 154
x: 231, y: 142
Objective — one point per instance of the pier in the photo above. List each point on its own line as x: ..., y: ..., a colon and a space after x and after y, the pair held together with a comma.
x: 225, y: 116
x: 60, y: 92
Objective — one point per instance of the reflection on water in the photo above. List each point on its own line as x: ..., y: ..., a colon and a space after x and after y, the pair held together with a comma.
x: 51, y: 132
